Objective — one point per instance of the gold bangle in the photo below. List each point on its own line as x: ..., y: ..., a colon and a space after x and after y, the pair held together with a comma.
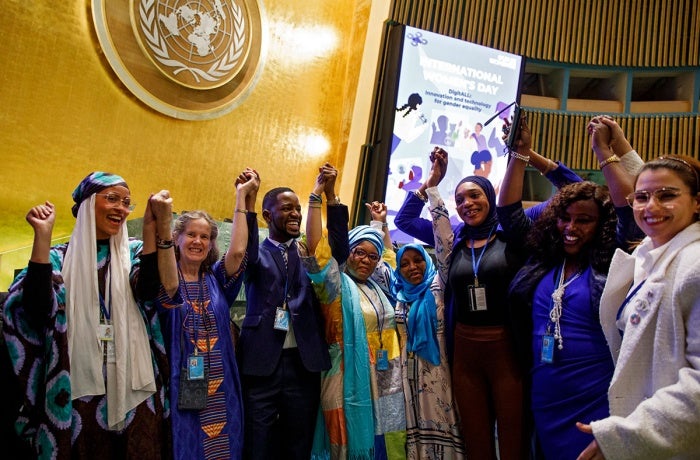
x: 613, y: 159
x: 242, y: 211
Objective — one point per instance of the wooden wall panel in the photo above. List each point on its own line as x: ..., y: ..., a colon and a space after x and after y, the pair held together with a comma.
x: 599, y: 32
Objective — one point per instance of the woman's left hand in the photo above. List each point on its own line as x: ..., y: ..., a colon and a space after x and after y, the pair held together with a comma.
x: 377, y: 210
x: 592, y: 452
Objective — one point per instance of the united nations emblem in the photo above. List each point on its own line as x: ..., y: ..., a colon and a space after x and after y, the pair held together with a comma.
x: 199, y: 44
x: 191, y: 59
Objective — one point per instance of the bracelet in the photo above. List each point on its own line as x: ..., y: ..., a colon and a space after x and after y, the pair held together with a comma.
x: 420, y: 196
x: 242, y: 211
x: 312, y: 205
x: 385, y: 225
x: 335, y: 201
x: 315, y: 198
x: 607, y: 161
x: 517, y: 156
x: 164, y: 244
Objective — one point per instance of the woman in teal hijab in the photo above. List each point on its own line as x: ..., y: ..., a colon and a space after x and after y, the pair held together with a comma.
x: 432, y: 422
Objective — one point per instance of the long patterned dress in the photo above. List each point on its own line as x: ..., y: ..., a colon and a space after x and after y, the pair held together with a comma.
x: 432, y: 419
x: 56, y: 425
x: 363, y: 408
x: 199, y: 313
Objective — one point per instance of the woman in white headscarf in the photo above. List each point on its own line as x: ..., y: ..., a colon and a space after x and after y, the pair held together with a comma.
x: 86, y: 354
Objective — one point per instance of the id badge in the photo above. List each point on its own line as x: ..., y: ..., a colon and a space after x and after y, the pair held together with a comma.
x: 477, y: 298
x: 111, y: 352
x: 105, y: 332
x: 547, y: 355
x: 282, y: 319
x: 382, y: 360
x: 195, y: 367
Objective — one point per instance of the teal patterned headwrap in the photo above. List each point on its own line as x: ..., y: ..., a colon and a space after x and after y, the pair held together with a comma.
x: 93, y: 183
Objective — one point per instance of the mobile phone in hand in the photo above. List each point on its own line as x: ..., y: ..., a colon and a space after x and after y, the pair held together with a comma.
x: 514, y: 132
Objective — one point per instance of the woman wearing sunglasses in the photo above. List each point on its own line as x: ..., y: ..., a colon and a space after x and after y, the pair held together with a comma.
x: 650, y: 313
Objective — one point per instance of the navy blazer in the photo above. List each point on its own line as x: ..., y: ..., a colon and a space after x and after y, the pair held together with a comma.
x: 260, y: 344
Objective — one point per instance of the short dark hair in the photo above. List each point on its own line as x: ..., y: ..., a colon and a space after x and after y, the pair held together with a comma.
x: 271, y: 196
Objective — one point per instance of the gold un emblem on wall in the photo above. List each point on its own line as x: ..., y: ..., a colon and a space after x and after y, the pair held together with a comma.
x: 187, y: 59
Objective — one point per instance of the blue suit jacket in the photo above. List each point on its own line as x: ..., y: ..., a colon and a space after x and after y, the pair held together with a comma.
x: 260, y: 344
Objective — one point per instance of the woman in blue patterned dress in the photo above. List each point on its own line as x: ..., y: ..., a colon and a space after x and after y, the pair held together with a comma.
x: 88, y: 356
x: 197, y: 289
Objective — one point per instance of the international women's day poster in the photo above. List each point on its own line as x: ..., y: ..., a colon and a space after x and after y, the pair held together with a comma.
x: 448, y: 90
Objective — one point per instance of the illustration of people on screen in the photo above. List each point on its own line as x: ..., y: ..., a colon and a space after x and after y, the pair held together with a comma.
x: 439, y: 130
x: 409, y: 122
x: 479, y: 138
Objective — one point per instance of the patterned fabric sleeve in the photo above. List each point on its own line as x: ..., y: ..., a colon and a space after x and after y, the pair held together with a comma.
x: 442, y: 230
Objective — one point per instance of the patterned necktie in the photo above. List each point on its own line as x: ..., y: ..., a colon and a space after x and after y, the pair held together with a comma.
x: 283, y: 249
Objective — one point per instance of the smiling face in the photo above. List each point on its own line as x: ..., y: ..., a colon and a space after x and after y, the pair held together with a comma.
x: 284, y: 217
x: 194, y: 242
x: 412, y: 266
x: 661, y: 222
x: 472, y: 203
x: 110, y: 217
x: 578, y: 225
x: 360, y: 263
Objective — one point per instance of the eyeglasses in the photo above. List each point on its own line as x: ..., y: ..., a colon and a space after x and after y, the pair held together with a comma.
x: 115, y: 199
x: 664, y: 196
x: 361, y: 254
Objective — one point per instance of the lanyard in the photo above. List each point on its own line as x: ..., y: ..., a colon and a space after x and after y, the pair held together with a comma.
x: 476, y: 262
x: 202, y: 307
x: 626, y: 301
x: 106, y: 307
x: 380, y: 319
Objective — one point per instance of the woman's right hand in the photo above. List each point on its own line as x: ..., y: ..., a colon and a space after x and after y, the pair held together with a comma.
x: 42, y: 217
x: 438, y: 168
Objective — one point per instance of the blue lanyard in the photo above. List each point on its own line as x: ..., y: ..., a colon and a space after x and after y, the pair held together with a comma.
x: 626, y: 301
x: 104, y: 308
x: 476, y: 262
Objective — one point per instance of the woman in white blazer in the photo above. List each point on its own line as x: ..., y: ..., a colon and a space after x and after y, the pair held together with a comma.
x: 650, y: 314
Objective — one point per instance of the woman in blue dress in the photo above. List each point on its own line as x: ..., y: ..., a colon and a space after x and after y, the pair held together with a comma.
x: 555, y: 297
x: 197, y: 289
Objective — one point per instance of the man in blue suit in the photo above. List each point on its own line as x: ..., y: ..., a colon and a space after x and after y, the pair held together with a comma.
x: 282, y: 349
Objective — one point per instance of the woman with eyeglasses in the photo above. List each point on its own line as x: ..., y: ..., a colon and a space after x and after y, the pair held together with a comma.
x: 650, y: 313
x: 87, y: 352
x: 554, y: 297
x: 362, y: 397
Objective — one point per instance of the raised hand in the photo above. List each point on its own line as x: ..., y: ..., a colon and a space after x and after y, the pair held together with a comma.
x: 329, y: 174
x: 377, y: 210
x: 438, y: 168
x: 161, y: 207
x: 600, y: 134
x: 41, y: 218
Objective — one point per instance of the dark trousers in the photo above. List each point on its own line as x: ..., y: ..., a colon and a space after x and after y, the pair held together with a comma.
x: 280, y: 410
x: 488, y: 388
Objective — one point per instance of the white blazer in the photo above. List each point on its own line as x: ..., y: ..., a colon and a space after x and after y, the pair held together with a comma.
x: 654, y: 394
